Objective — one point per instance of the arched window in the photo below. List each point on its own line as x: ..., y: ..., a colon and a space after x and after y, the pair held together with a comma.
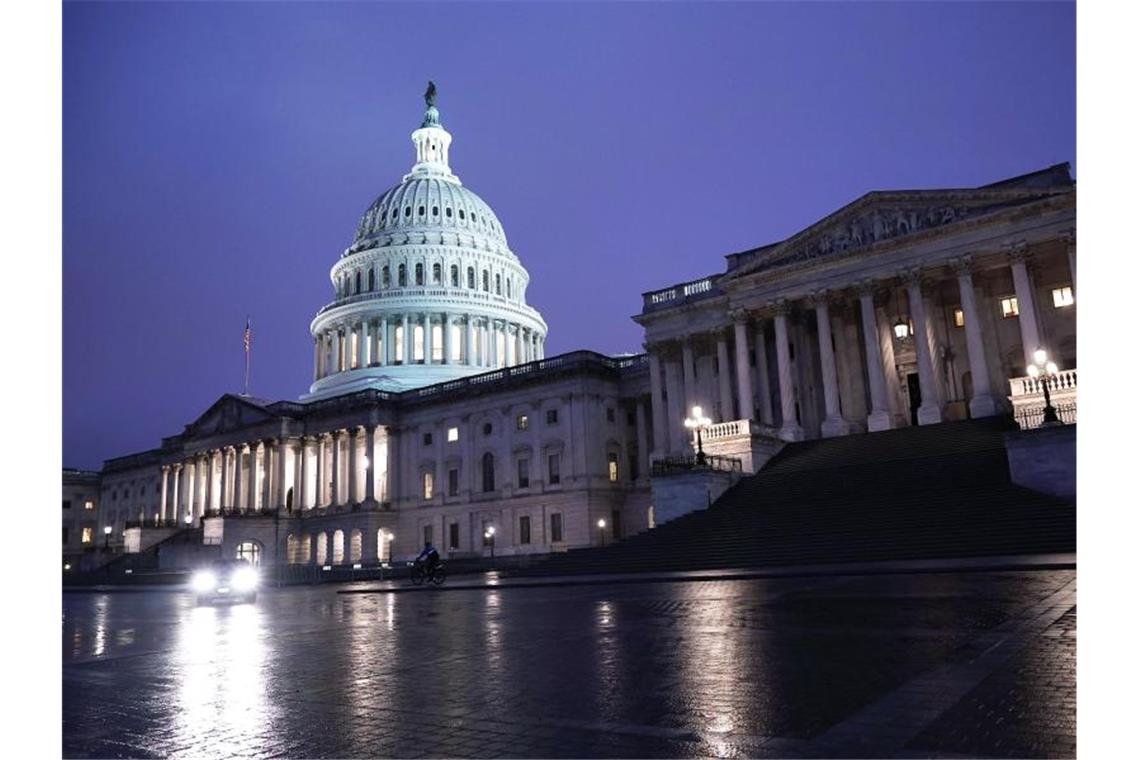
x: 498, y: 284
x: 402, y: 276
x: 419, y: 274
x: 372, y: 281
x: 488, y: 472
x: 322, y: 548
x: 357, y: 281
x: 383, y: 545
x: 461, y: 213
x: 486, y: 281
x: 454, y: 276
x: 471, y: 277
x: 251, y: 551
x: 437, y: 274
x: 385, y: 278
x: 338, y: 547
x: 508, y: 287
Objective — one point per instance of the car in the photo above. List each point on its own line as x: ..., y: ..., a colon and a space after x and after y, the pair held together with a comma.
x: 226, y: 579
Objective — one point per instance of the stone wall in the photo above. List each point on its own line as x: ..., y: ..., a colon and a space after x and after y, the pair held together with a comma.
x: 679, y: 494
x: 1044, y: 459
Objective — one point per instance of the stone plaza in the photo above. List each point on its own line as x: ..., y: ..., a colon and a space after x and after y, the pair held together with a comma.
x: 938, y: 664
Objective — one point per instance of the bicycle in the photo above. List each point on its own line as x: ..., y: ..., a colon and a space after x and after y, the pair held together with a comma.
x: 420, y: 573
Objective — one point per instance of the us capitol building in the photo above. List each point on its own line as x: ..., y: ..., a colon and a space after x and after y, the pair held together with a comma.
x: 434, y: 413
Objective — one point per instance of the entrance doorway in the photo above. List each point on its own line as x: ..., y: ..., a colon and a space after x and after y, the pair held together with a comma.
x: 914, y: 391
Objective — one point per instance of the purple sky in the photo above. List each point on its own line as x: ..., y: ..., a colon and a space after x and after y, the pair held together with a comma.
x: 217, y: 158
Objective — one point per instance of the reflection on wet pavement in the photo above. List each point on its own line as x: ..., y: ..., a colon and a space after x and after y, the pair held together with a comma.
x: 757, y: 667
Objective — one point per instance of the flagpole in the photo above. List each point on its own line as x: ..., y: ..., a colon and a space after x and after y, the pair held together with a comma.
x: 247, y: 340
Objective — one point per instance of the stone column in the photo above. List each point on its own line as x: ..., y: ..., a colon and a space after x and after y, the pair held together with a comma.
x: 251, y: 478
x: 982, y: 403
x: 208, y: 503
x: 383, y: 341
x: 880, y: 416
x: 519, y: 357
x: 322, y: 472
x: 642, y: 442
x: 350, y: 444
x: 269, y: 461
x: 336, y: 467
x: 301, y: 469
x: 316, y: 359
x: 165, y: 476
x: 493, y: 338
x: 743, y: 369
x: 657, y: 404
x: 790, y: 430
x: 469, y: 342
x: 365, y: 345
x: 929, y: 412
x: 724, y: 377
x: 336, y: 351
x: 675, y: 407
x: 175, y: 500
x: 688, y: 375
x: 369, y: 463
x: 282, y: 483
x: 763, y: 387
x: 191, y: 485
x: 833, y: 424
x: 1026, y: 313
x: 446, y: 340
x: 391, y: 446
x: 407, y: 347
x: 429, y: 339
x: 1071, y: 249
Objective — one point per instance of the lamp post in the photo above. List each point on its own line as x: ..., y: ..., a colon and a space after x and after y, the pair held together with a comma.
x: 106, y: 536
x: 698, y: 421
x: 489, y: 534
x: 602, y: 531
x: 1044, y: 370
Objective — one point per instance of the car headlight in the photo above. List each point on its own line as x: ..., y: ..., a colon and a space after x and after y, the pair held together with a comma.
x: 204, y: 581
x: 244, y: 579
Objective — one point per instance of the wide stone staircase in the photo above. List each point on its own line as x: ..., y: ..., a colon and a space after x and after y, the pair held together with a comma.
x: 932, y: 492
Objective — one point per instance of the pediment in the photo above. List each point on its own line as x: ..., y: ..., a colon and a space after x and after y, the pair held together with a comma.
x: 229, y: 413
x: 878, y: 217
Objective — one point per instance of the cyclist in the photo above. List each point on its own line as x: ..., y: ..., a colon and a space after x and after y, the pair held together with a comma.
x: 430, y: 557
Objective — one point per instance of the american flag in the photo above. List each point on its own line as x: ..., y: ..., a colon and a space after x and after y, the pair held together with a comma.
x: 247, y: 336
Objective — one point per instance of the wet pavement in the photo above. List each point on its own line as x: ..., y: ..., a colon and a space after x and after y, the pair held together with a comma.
x: 938, y: 664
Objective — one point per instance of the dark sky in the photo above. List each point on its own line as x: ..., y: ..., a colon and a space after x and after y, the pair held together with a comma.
x: 217, y: 158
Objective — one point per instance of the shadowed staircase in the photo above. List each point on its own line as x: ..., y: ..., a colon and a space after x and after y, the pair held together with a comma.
x: 932, y: 492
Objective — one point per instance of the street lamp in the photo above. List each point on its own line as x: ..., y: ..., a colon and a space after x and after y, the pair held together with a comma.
x: 106, y: 536
x: 1044, y: 370
x: 698, y: 421
x: 602, y: 529
x: 489, y: 534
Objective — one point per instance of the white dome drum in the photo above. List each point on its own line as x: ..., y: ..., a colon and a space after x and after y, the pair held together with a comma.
x: 428, y: 291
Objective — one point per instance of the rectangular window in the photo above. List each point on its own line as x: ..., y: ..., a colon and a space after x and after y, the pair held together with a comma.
x: 427, y: 439
x: 399, y: 340
x: 453, y: 536
x: 453, y: 482
x: 551, y: 416
x: 524, y: 473
x: 522, y: 422
x: 609, y: 414
x: 437, y: 343
x: 418, y: 343
x: 1062, y: 297
x: 428, y: 483
x: 86, y: 535
x: 631, y: 419
x: 524, y: 529
x: 67, y: 503
x: 959, y: 318
x: 65, y: 536
x: 89, y: 505
x: 553, y: 465
x: 556, y: 528
x: 634, y: 470
x: 427, y: 534
x: 1009, y: 306
x: 452, y: 434
x: 612, y: 461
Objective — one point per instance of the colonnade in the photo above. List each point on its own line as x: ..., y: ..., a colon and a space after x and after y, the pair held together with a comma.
x: 344, y: 466
x: 680, y: 386
x: 424, y: 338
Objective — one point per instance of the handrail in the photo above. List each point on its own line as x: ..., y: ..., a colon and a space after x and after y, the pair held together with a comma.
x: 705, y: 287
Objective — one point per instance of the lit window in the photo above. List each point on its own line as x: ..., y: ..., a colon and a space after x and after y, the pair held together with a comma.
x: 452, y: 434
x: 613, y: 467
x: 1062, y: 297
x: 418, y: 343
x: 522, y: 422
x: 89, y: 505
x: 959, y: 318
x: 88, y: 535
x: 1009, y: 306
x: 437, y: 343
x: 429, y: 482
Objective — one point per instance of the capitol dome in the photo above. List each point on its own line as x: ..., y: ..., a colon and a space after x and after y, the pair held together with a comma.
x: 428, y: 291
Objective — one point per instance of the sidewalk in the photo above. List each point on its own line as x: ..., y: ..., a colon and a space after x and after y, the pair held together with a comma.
x: 492, y: 580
